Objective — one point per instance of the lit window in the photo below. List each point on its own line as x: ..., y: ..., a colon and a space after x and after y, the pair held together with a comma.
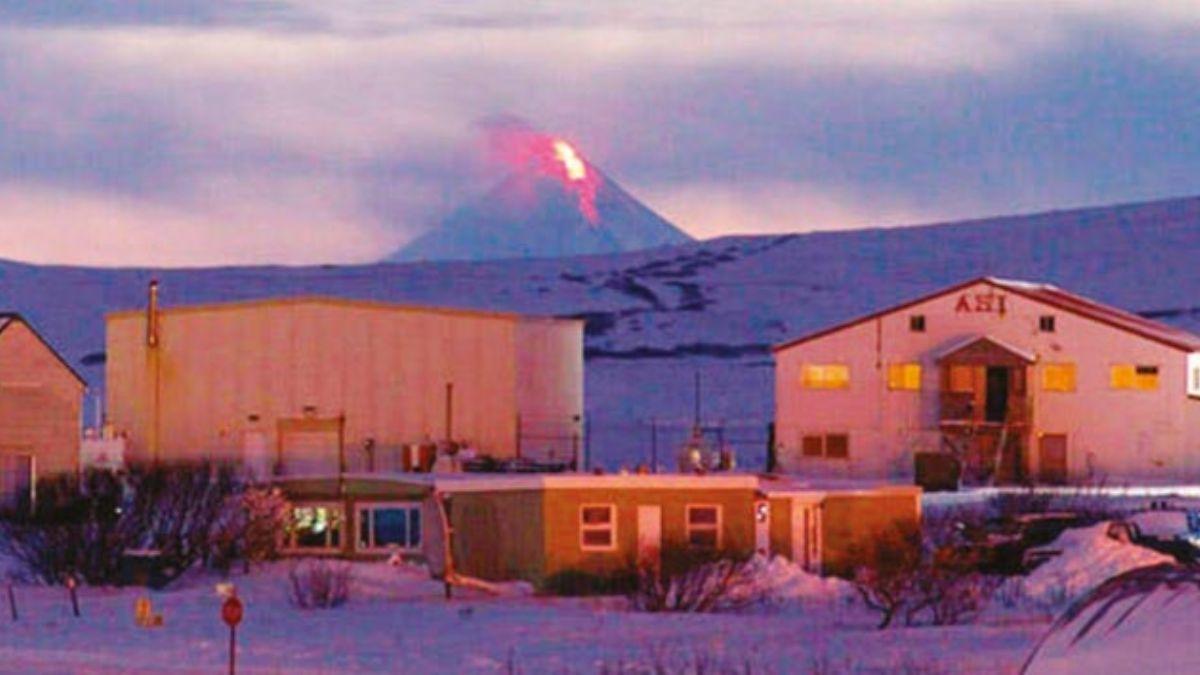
x: 704, y: 526
x: 904, y: 376
x: 1194, y: 390
x: 316, y: 527
x: 831, y: 446
x: 1058, y: 377
x: 916, y: 323
x: 389, y: 526
x: 961, y: 379
x: 598, y: 527
x: 1126, y: 376
x: 829, y: 376
x: 1046, y: 323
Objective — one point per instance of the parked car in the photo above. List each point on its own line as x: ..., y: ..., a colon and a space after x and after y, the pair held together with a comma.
x: 1000, y: 546
x: 1165, y: 531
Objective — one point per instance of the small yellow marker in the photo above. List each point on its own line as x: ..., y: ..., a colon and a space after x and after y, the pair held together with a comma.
x: 143, y: 613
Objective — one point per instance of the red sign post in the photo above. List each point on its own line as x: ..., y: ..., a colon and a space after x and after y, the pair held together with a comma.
x: 71, y: 588
x: 231, y: 614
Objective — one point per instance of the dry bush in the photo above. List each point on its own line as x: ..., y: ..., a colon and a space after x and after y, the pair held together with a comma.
x: 916, y: 576
x: 249, y: 527
x: 84, y: 524
x: 695, y: 582
x: 886, y: 580
x: 949, y: 590
x: 319, y: 584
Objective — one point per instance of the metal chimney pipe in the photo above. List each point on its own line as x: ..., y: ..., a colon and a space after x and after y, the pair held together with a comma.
x: 152, y: 315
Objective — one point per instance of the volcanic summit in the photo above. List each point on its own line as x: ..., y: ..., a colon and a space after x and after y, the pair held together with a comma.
x: 552, y: 203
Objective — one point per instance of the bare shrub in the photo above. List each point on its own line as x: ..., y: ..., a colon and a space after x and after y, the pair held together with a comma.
x: 177, y: 510
x: 947, y: 587
x: 319, y: 584
x: 886, y: 579
x: 249, y: 527
x: 75, y: 527
x: 84, y: 524
x: 949, y: 590
x: 693, y: 582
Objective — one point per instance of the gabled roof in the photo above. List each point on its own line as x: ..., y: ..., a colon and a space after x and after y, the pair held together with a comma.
x: 1045, y: 294
x: 9, y: 318
x: 984, y: 340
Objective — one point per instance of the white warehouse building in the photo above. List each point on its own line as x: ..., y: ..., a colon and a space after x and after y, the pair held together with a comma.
x: 1021, y: 382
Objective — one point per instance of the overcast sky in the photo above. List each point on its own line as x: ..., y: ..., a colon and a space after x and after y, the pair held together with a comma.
x: 187, y: 132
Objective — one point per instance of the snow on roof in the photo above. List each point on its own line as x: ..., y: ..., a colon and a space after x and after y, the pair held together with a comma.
x: 777, y: 485
x: 1048, y: 295
x: 784, y: 485
x: 583, y: 481
x: 1117, y: 318
x: 498, y: 482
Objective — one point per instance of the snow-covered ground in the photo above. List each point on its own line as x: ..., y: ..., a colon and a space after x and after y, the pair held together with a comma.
x: 398, y: 621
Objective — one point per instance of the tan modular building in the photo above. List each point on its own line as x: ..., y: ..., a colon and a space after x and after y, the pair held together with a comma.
x: 318, y: 385
x: 827, y: 528
x: 533, y: 527
x: 1015, y: 381
x: 40, y: 411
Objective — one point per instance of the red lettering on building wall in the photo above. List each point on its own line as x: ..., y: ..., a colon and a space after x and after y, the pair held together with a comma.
x: 982, y: 303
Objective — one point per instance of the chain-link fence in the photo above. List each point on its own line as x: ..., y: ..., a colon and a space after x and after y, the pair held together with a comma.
x: 666, y: 444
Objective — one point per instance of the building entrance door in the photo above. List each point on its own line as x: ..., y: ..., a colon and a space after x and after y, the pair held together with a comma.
x: 649, y: 536
x: 996, y: 404
x: 1052, y: 456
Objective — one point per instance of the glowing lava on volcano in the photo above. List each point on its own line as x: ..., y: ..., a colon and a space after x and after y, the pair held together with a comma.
x: 573, y: 171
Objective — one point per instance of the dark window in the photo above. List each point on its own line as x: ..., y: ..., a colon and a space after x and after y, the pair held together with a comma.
x: 837, y: 446
x: 1147, y: 370
x: 916, y: 323
x: 1046, y: 323
x: 812, y: 446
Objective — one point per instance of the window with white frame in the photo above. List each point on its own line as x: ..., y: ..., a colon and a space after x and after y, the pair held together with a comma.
x: 704, y: 526
x: 598, y: 527
x: 389, y: 526
x: 315, y: 527
x: 1194, y: 374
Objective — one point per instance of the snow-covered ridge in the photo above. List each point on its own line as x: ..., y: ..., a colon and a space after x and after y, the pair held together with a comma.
x: 656, y: 316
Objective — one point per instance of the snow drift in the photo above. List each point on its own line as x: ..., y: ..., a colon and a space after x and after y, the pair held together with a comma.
x: 1089, y: 557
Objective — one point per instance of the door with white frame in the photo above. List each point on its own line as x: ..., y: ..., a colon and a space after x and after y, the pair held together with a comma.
x: 649, y: 536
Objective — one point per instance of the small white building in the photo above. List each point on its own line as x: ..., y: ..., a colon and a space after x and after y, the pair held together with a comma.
x: 1020, y: 381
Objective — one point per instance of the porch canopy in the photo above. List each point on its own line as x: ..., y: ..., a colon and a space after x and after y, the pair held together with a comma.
x: 984, y: 350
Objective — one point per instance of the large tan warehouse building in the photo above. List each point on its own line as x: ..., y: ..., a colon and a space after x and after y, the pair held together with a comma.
x: 40, y: 398
x: 318, y: 385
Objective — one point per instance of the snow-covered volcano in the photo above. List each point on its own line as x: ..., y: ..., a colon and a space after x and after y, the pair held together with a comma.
x: 560, y: 206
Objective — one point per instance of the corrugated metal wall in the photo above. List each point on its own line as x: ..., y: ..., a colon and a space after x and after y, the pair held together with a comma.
x: 228, y: 371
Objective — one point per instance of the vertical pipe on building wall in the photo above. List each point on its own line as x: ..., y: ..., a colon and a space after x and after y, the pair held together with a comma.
x: 449, y: 411
x: 152, y: 340
x: 771, y: 458
x: 653, y: 445
x: 587, y: 445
